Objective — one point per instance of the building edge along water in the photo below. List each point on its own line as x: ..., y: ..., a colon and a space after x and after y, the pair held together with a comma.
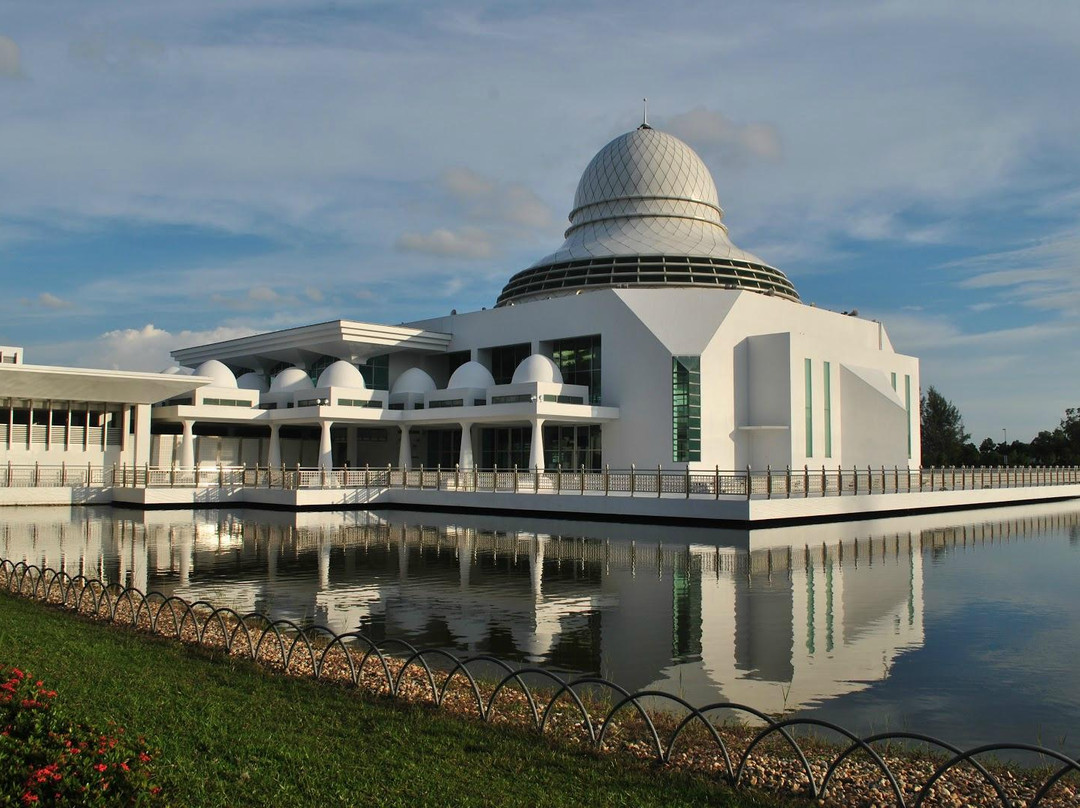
x: 716, y: 498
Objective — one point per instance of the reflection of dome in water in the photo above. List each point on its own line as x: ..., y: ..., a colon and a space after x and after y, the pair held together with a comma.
x: 646, y: 213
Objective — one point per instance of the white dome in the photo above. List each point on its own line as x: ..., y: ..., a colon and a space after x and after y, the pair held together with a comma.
x: 471, y: 374
x: 221, y: 375
x: 537, y: 368
x: 177, y: 370
x: 342, y: 374
x: 414, y: 380
x: 649, y: 168
x: 290, y: 380
x: 645, y: 214
x: 252, y: 381
x: 646, y: 193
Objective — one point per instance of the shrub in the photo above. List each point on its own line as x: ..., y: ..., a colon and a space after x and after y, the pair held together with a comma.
x: 47, y: 760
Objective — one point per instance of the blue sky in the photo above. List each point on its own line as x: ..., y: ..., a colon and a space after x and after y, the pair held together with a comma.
x: 173, y: 173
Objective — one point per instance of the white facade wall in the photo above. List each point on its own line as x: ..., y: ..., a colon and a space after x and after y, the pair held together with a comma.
x: 753, y: 351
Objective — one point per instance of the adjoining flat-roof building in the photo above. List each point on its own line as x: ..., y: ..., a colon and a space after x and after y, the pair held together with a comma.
x: 647, y: 338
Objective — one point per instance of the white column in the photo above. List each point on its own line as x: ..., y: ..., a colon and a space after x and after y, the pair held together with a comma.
x: 465, y: 456
x: 187, y: 446
x: 351, y: 456
x: 326, y: 453
x: 273, y: 456
x: 405, y: 450
x: 125, y: 426
x: 141, y: 414
x: 536, y: 449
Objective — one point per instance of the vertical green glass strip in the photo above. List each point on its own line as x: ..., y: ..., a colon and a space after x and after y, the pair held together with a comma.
x: 685, y: 408
x: 907, y: 409
x: 828, y: 410
x: 894, y: 381
x: 809, y: 409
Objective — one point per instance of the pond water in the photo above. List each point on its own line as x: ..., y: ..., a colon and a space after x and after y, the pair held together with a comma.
x: 963, y: 626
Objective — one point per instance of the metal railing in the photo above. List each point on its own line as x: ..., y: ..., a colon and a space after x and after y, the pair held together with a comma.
x: 746, y: 483
x: 782, y: 753
x: 63, y: 475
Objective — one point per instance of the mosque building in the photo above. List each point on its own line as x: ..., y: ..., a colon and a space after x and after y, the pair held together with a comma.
x: 646, y: 339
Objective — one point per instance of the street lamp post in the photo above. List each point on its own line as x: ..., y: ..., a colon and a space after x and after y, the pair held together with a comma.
x: 1005, y: 445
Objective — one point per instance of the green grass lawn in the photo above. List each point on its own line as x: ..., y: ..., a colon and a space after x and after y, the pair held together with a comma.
x: 230, y: 734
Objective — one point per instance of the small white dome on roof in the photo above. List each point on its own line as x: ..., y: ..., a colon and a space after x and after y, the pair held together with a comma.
x: 218, y: 371
x: 414, y: 380
x: 471, y: 374
x: 177, y: 370
x: 342, y: 374
x: 291, y: 379
x: 537, y: 368
x: 252, y: 381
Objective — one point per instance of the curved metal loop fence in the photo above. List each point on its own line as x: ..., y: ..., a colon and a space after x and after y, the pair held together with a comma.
x: 589, y: 708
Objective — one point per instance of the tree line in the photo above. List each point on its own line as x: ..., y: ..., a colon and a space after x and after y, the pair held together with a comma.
x: 946, y: 443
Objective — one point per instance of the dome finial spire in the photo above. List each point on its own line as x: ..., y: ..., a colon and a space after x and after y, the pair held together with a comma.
x: 645, y: 114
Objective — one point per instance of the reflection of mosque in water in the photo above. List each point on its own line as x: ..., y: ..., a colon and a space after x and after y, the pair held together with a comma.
x: 773, y: 618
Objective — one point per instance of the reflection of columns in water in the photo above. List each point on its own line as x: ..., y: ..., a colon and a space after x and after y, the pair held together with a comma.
x: 187, y: 445
x: 324, y: 563
x: 403, y: 554
x: 186, y: 550
x: 536, y: 569
x: 273, y: 548
x: 139, y: 560
x: 122, y: 553
x: 465, y: 551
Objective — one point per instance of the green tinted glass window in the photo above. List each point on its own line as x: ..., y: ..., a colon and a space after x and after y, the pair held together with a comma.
x: 685, y: 408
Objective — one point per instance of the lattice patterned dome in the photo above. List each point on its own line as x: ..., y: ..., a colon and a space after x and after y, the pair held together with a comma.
x: 646, y: 213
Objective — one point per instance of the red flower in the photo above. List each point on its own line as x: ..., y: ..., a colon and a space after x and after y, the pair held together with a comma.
x: 101, y: 767
x: 143, y: 757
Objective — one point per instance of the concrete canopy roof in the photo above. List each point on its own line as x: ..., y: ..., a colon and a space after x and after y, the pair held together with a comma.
x: 350, y: 340
x: 44, y: 382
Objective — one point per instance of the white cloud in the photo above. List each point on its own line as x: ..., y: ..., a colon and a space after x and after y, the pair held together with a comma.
x: 470, y: 242
x: 492, y: 201
x: 715, y: 136
x: 1042, y: 275
x: 51, y: 301
x: 10, y: 65
x: 148, y: 348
